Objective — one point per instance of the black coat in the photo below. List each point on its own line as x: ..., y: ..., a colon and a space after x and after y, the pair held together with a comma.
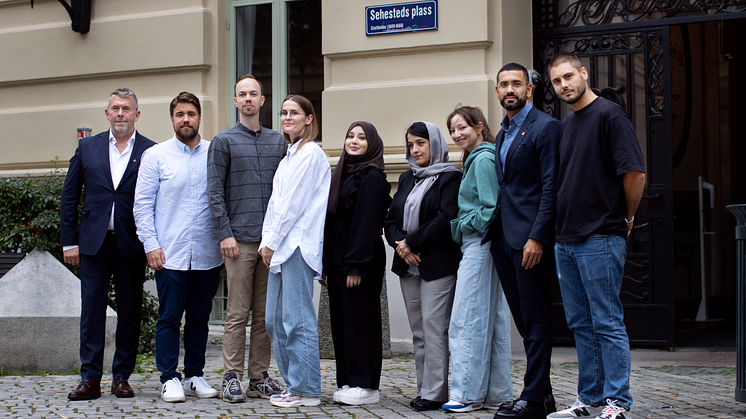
x: 352, y: 236
x: 90, y: 166
x: 527, y: 201
x: 439, y: 254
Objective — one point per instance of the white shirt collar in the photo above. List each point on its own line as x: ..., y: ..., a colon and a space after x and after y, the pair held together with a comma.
x: 113, y: 140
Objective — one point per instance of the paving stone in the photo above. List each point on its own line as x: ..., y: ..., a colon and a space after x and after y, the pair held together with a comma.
x: 667, y: 390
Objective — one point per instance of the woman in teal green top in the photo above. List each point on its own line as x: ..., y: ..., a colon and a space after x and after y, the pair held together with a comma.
x: 480, y: 321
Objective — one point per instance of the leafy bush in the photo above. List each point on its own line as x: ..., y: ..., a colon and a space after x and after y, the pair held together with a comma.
x: 30, y: 214
x: 30, y: 218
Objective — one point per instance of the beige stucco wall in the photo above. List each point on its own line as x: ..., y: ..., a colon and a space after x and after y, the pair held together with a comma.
x: 54, y: 80
x: 395, y: 79
x: 60, y: 80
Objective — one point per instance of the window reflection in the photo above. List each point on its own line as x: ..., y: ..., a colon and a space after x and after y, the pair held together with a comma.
x: 305, y: 62
x: 254, y: 51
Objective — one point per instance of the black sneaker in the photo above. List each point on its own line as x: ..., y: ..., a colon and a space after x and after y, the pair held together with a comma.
x: 232, y: 392
x: 264, y: 387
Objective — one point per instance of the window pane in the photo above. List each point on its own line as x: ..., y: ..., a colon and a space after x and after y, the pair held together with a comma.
x: 305, y: 62
x: 254, y: 51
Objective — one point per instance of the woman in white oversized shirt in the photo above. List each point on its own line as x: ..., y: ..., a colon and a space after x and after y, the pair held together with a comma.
x: 292, y: 243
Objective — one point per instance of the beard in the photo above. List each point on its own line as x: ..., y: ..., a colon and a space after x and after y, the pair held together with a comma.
x: 248, y: 112
x: 518, y: 104
x: 186, y: 133
x: 574, y: 99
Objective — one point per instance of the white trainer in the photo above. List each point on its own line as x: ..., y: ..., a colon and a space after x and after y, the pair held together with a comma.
x: 357, y: 395
x: 335, y: 396
x: 172, y: 391
x: 197, y: 386
x: 577, y: 410
x: 613, y: 411
x: 287, y: 399
x: 458, y: 407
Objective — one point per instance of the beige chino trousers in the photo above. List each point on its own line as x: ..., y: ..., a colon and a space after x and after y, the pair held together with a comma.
x: 247, y: 293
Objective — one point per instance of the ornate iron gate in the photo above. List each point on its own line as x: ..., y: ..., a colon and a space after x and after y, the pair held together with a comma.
x: 625, y: 47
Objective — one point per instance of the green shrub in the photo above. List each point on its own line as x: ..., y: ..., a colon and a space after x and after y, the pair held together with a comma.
x: 30, y: 213
x: 30, y: 219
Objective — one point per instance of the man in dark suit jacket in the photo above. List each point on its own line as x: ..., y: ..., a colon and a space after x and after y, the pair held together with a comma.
x: 106, y: 244
x: 528, y: 146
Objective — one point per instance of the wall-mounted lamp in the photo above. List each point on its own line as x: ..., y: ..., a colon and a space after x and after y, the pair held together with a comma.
x: 84, y: 132
x: 80, y: 14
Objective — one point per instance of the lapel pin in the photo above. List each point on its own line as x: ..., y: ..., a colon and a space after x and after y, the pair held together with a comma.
x: 523, y: 133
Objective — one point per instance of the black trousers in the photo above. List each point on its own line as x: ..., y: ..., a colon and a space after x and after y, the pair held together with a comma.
x: 529, y: 298
x: 356, y: 328
x: 95, y: 274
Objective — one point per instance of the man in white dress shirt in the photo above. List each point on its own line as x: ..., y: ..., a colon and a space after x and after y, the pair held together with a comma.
x: 173, y: 222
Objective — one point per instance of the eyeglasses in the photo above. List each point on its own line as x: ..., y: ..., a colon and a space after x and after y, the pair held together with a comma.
x: 517, y: 84
x: 292, y: 114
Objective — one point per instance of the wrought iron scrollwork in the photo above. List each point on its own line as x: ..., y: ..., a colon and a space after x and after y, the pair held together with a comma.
x: 644, y: 265
x: 655, y: 73
x: 549, y: 97
x: 602, y: 43
x: 644, y: 280
x: 650, y: 41
x: 644, y: 297
x: 598, y: 12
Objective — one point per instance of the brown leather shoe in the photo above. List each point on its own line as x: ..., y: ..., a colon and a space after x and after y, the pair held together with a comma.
x: 121, y: 388
x: 87, y: 390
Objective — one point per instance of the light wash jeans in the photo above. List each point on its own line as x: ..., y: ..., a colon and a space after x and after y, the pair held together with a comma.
x: 590, y: 276
x: 291, y: 324
x: 480, y: 329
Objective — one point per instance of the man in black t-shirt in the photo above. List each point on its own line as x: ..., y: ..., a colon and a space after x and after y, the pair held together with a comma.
x: 601, y: 180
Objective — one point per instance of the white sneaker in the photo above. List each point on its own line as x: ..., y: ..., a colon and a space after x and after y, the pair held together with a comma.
x: 613, y: 411
x: 494, y: 405
x: 356, y: 395
x: 197, y: 386
x: 287, y: 399
x: 458, y: 407
x: 577, y: 410
x: 172, y: 391
x: 335, y: 396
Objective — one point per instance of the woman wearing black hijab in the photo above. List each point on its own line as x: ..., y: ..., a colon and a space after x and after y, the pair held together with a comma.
x: 354, y: 263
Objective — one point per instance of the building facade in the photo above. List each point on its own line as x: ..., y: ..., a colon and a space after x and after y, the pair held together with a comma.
x: 673, y: 66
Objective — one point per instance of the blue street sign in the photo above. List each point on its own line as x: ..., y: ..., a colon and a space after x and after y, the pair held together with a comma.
x: 401, y: 17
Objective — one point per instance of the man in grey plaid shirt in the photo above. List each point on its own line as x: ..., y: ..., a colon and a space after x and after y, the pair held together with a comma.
x: 241, y: 164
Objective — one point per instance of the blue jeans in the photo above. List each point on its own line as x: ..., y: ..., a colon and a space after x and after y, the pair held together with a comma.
x: 179, y: 291
x: 590, y: 277
x: 480, y: 329
x: 291, y: 324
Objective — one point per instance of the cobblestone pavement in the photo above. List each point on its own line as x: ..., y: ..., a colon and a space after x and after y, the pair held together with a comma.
x: 664, y: 391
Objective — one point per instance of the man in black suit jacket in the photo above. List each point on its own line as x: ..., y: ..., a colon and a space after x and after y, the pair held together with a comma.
x: 106, y: 244
x: 527, y: 163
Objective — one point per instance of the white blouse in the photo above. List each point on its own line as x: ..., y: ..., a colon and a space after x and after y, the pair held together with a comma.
x: 297, y: 208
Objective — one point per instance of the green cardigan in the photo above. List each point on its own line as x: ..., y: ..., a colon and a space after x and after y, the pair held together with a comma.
x: 477, y: 196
